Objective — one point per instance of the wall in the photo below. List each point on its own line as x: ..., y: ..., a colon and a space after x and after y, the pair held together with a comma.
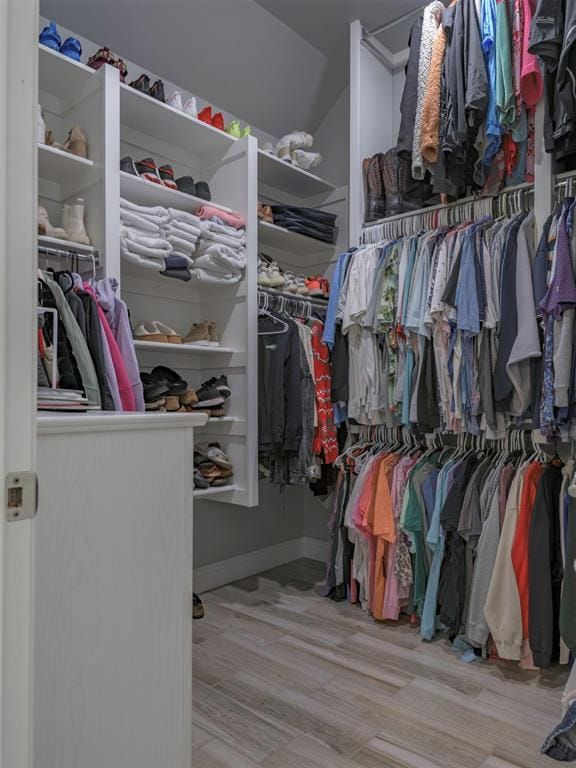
x: 332, y: 140
x: 398, y: 80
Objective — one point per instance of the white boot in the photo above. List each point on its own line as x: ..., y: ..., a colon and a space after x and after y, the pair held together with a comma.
x: 45, y: 228
x: 41, y: 126
x: 73, y: 222
x: 306, y: 160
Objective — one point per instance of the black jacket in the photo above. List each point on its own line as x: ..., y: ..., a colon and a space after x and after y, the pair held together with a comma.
x: 410, y: 93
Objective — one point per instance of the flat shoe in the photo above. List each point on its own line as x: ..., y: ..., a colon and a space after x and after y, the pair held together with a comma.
x: 189, y: 397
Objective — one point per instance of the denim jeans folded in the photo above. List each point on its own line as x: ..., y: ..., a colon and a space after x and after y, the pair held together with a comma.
x: 561, y: 743
x: 312, y: 214
x: 309, y: 232
x: 323, y: 229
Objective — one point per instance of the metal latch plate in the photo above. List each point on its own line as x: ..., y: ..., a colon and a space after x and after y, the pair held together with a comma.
x: 21, y: 497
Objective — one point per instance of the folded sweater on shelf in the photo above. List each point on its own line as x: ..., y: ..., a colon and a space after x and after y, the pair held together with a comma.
x: 175, y: 214
x: 180, y: 229
x: 218, y: 254
x: 141, y: 237
x: 228, y: 217
x: 222, y: 229
x: 215, y: 237
x: 144, y: 250
x: 135, y: 220
x: 139, y: 260
x: 179, y: 244
x: 156, y: 214
x: 203, y: 276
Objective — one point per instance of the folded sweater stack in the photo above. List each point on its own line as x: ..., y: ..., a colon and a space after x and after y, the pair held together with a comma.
x: 221, y: 253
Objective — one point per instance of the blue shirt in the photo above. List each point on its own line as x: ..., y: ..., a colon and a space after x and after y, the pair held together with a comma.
x: 330, y: 322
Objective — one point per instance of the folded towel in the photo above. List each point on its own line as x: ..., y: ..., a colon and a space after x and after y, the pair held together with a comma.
x: 201, y: 276
x: 171, y: 231
x: 140, y: 261
x: 188, y: 218
x: 181, y: 245
x: 176, y: 227
x: 215, y: 237
x: 139, y: 237
x: 219, y: 251
x: 222, y: 229
x: 143, y: 250
x: 218, y: 270
x: 144, y: 210
x: 131, y: 219
x: 232, y: 219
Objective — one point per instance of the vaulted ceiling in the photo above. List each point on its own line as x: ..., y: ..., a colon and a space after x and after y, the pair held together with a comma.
x: 278, y: 64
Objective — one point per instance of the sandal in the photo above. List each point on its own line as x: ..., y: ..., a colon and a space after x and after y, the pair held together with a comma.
x: 158, y: 332
x: 213, y: 452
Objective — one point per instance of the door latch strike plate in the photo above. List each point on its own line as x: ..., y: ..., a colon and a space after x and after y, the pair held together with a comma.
x: 21, y: 497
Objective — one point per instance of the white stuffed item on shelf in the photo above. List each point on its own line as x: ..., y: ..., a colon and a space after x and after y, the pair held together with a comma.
x: 291, y: 148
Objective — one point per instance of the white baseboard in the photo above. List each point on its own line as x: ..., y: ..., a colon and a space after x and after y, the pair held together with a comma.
x: 225, y: 571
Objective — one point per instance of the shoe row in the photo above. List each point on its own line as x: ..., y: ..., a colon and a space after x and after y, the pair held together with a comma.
x: 72, y: 227
x: 212, y: 467
x: 202, y: 334
x: 217, y: 121
x: 50, y: 37
x: 165, y: 390
x: 75, y: 141
x: 271, y: 276
x: 164, y: 175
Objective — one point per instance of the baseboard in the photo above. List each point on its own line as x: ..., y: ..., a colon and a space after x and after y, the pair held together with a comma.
x: 223, y: 572
x: 314, y: 549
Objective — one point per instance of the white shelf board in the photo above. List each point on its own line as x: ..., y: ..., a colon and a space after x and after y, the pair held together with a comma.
x: 144, y: 192
x: 65, y: 245
x: 200, y: 493
x: 60, y: 75
x: 180, y: 348
x: 148, y: 115
x: 60, y: 166
x: 273, y: 236
x: 276, y: 173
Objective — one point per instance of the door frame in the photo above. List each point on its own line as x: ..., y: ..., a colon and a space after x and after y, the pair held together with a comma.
x: 18, y: 258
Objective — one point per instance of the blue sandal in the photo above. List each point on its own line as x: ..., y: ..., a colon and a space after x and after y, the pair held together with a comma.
x: 50, y: 37
x: 71, y: 47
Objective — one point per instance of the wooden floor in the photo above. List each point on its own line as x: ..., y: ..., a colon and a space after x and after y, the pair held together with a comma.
x: 284, y: 678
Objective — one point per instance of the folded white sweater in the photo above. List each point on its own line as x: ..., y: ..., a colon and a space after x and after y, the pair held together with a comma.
x: 140, y: 261
x: 222, y: 229
x: 142, y: 238
x: 179, y: 228
x: 202, y: 276
x: 143, y: 250
x: 131, y: 219
x: 144, y: 210
x: 180, y: 244
x: 187, y: 218
x: 214, y: 237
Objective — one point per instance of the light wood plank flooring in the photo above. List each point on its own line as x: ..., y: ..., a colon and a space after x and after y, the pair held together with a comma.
x: 286, y: 679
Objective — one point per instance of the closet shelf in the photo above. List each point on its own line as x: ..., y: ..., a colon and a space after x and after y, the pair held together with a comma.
x: 201, y: 493
x: 273, y: 236
x: 148, y: 115
x: 144, y: 192
x: 61, y: 76
x: 65, y: 245
x: 62, y: 167
x: 276, y: 173
x: 157, y: 346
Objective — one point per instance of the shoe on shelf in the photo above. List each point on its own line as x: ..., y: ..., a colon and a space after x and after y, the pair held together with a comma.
x: 142, y: 84
x: 71, y: 48
x: 246, y: 131
x: 49, y: 139
x: 203, y: 191
x: 186, y: 184
x: 166, y: 173
x: 301, y: 288
x: 290, y: 285
x: 234, y: 129
x: 277, y: 279
x: 41, y: 135
x: 199, y: 334
x: 208, y: 397
x: 213, y: 331
x: 218, y: 121
x: 306, y: 160
x: 263, y: 278
x: 189, y: 398
x: 157, y: 91
x: 147, y: 170
x: 76, y: 142
x: 199, y: 482
x: 216, y: 412
x: 158, y: 406
x: 45, y: 228
x: 314, y: 286
x: 127, y: 165
x: 265, y: 213
x: 176, y: 101
x: 191, y: 108
x: 50, y: 37
x: 158, y: 332
x: 105, y: 56
x: 221, y: 384
x: 214, y: 453
x: 175, y: 383
x: 205, y: 115
x: 154, y: 389
x: 73, y: 222
x: 325, y: 283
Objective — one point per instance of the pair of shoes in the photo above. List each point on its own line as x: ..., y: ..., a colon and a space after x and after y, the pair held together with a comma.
x: 147, y: 169
x: 166, y: 390
x: 105, y: 56
x: 212, y: 465
x: 211, y: 396
x: 75, y: 142
x: 189, y: 108
x: 156, y: 90
x: 295, y: 284
x: 269, y: 274
x: 196, y: 189
x: 265, y: 213
x: 197, y: 607
x: 203, y: 334
x: 50, y: 37
x: 72, y: 223
x: 318, y: 286
x: 158, y: 332
x: 216, y: 121
x: 234, y: 130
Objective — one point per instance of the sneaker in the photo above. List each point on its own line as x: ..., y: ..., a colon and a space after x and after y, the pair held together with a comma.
x: 208, y: 397
x: 176, y: 101
x: 190, y: 108
x: 221, y: 384
x: 314, y: 286
x: 246, y: 131
x: 277, y: 279
x: 234, y: 129
x: 157, y: 91
x: 290, y: 285
x: 71, y: 48
x: 213, y: 331
x: 166, y: 173
x: 199, y: 481
x: 218, y: 121
x: 154, y: 389
x: 127, y: 165
x: 325, y: 283
x: 301, y: 288
x: 263, y: 278
x: 214, y: 453
x: 203, y: 191
x: 205, y: 115
x: 142, y: 84
x: 186, y: 184
x: 50, y: 37
x: 197, y: 607
x: 147, y: 170
x: 199, y: 334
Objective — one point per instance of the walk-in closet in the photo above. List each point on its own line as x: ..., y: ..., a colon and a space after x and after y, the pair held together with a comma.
x: 288, y: 384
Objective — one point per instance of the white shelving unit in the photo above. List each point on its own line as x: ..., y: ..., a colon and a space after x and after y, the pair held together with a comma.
x: 294, y: 181
x: 146, y: 192
x: 299, y: 246
x: 60, y: 166
x: 183, y: 349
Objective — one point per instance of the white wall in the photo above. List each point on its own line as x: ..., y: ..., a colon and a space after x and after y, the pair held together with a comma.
x: 332, y: 140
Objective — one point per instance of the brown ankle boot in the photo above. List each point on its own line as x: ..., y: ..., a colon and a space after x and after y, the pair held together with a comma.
x: 374, y: 189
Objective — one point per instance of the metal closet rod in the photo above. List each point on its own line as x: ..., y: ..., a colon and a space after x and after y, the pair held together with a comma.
x: 374, y: 32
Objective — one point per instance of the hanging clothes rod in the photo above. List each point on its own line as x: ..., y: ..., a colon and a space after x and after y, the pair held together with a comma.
x: 68, y: 253
x: 375, y: 32
x: 273, y: 293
